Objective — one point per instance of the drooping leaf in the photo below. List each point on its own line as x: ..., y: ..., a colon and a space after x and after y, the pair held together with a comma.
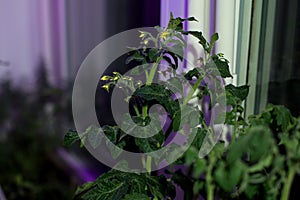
x: 222, y: 66
x: 200, y: 37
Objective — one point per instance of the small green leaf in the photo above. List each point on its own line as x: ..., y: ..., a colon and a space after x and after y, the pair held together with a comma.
x: 213, y: 39
x: 71, y: 137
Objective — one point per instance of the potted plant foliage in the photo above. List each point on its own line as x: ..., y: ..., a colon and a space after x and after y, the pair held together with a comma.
x: 257, y: 157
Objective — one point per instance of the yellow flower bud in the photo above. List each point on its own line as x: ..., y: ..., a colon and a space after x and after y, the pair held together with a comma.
x: 143, y: 34
x: 146, y: 42
x: 106, y: 87
x: 104, y: 78
x: 164, y: 35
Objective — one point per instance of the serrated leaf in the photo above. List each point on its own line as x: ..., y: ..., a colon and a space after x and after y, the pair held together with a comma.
x: 161, y: 94
x: 107, y: 190
x: 283, y: 116
x: 70, y: 138
x: 150, y: 144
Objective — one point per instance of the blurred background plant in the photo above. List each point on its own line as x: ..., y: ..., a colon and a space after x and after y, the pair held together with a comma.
x: 30, y: 168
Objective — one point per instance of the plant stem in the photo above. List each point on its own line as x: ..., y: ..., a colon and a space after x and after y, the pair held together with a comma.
x: 148, y: 164
x: 153, y: 70
x: 235, y: 124
x: 144, y: 111
x: 190, y: 95
x: 210, y: 186
x: 136, y: 110
x: 288, y: 183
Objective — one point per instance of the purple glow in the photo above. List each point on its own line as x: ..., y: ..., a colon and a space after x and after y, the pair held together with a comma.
x: 77, y: 166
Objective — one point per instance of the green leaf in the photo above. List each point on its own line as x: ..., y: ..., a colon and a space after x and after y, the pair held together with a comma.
x: 136, y: 196
x: 161, y: 94
x: 116, y: 185
x: 150, y: 144
x: 201, y: 39
x: 169, y: 61
x: 176, y: 24
x: 191, y: 155
x: 240, y: 93
x: 107, y: 190
x: 199, y: 138
x: 70, y: 138
x: 199, y: 167
x: 135, y: 57
x: 222, y: 66
x: 177, y: 50
x: 192, y: 73
x: 213, y: 39
x: 175, y: 85
x: 115, y: 135
x: 282, y: 115
x: 153, y: 54
x: 94, y: 135
x: 229, y: 176
x: 256, y: 143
